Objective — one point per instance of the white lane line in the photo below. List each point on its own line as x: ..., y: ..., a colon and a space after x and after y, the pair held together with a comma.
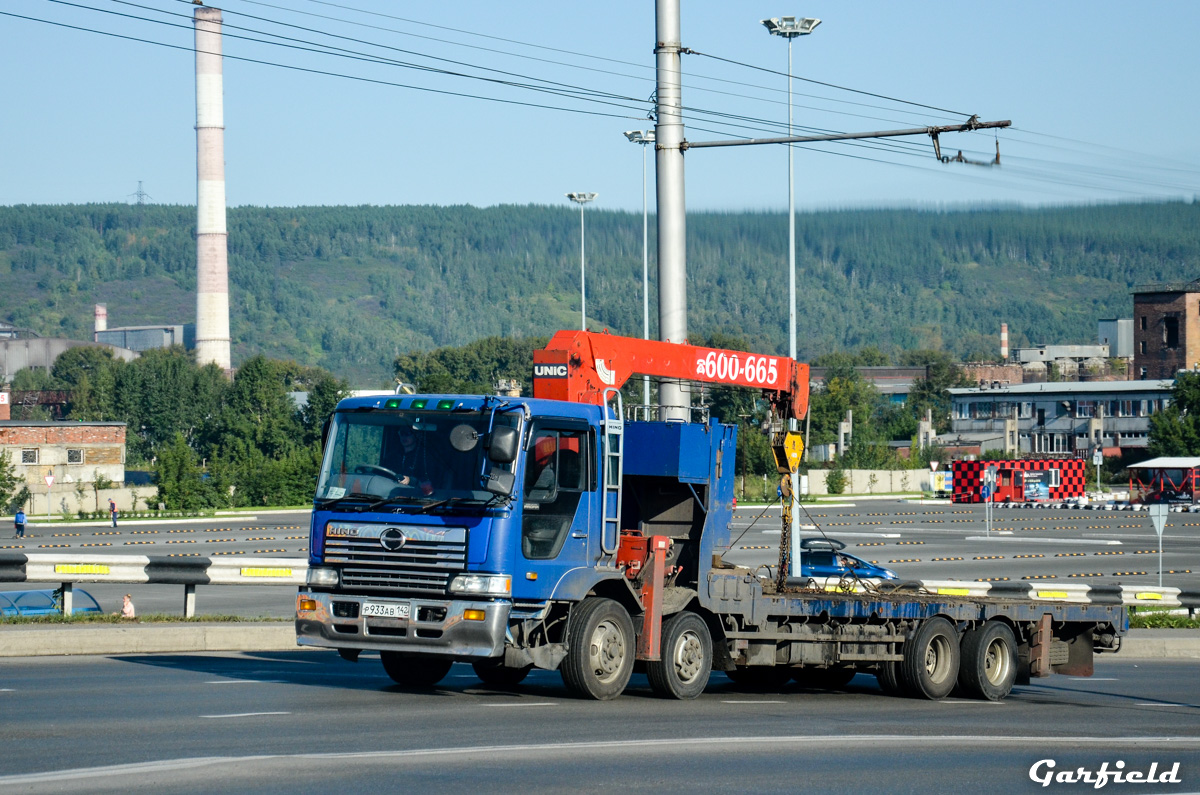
x: 1092, y: 679
x: 1164, y: 704
x: 7, y: 690
x: 243, y: 681
x: 663, y: 745
x: 524, y: 704
x: 245, y: 714
x: 856, y: 535
x: 756, y: 701
x: 1063, y: 541
x: 981, y: 702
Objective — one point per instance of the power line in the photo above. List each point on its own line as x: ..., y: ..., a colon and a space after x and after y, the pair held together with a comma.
x: 327, y: 73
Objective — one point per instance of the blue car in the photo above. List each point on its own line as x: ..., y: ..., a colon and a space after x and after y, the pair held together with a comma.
x: 823, y: 557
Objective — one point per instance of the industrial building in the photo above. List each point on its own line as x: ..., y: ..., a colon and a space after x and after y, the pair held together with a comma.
x: 1056, y: 420
x: 1166, y: 333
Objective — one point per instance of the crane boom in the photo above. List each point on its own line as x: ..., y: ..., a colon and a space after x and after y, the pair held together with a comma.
x: 579, y: 365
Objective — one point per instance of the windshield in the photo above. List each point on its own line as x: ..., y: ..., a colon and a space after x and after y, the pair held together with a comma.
x: 406, y: 456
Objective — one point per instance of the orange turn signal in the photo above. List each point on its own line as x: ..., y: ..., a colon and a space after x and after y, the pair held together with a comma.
x: 474, y: 615
x: 307, y: 604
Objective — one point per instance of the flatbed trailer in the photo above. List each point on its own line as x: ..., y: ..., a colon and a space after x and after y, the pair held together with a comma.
x: 554, y: 533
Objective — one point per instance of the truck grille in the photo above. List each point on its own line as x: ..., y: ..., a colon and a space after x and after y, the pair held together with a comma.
x: 423, y: 566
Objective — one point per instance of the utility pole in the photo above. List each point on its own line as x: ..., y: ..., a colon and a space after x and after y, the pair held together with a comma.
x: 672, y: 222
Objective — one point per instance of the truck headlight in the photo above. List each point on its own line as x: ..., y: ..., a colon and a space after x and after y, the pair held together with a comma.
x: 322, y: 577
x: 482, y: 584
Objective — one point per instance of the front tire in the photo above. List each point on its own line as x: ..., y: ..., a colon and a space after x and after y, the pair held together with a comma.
x: 888, y: 676
x: 989, y: 661
x: 686, y: 662
x: 414, y: 671
x: 600, y: 650
x: 495, y: 673
x: 930, y: 666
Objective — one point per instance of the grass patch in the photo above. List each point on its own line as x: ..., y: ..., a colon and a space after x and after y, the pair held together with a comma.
x: 149, y: 618
x: 1160, y: 619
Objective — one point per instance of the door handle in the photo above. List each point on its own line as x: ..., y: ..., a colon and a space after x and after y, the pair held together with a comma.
x: 579, y: 534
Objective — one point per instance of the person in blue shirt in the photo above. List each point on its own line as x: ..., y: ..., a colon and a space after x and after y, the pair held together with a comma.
x: 19, y: 523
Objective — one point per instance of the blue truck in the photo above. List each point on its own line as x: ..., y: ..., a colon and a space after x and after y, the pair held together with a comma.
x: 515, y: 533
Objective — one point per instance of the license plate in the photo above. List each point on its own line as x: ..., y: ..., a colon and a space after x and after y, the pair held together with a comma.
x: 385, y: 610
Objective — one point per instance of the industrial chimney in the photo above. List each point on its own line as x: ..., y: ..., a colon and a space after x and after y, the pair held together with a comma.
x: 212, y: 257
x: 1004, y: 342
x: 101, y: 321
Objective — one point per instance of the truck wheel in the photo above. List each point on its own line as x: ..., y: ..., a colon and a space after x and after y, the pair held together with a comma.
x: 888, y: 676
x: 989, y: 661
x: 416, y: 671
x: 600, y: 650
x: 824, y: 678
x: 497, y: 674
x: 686, y: 658
x: 761, y: 678
x: 930, y: 665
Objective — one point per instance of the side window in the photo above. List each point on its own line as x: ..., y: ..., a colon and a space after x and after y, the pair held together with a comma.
x: 557, y: 472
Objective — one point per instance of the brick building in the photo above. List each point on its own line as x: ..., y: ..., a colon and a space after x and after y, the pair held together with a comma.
x: 1166, y: 329
x: 74, y: 452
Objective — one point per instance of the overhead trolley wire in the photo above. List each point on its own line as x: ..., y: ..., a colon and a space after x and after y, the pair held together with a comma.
x: 327, y: 73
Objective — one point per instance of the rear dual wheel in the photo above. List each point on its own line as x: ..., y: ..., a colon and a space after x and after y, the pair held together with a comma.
x: 931, y: 660
x: 989, y: 661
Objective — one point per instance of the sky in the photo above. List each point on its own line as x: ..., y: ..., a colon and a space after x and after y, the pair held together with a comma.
x: 1099, y: 94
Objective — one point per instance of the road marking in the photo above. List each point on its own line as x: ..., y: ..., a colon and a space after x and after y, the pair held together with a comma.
x: 839, y: 533
x: 525, y: 704
x: 1064, y: 541
x: 1092, y: 679
x: 970, y: 701
x: 607, y: 748
x: 245, y: 714
x: 7, y: 690
x: 756, y: 701
x: 243, y: 681
x: 1164, y: 704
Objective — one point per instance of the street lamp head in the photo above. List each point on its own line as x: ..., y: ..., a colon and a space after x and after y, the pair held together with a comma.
x: 640, y: 136
x: 790, y: 27
x: 582, y: 198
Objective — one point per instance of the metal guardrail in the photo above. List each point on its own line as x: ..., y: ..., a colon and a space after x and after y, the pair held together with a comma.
x: 68, y: 569
x: 1043, y: 591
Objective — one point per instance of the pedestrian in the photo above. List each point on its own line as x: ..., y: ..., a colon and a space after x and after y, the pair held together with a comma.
x: 19, y: 523
x: 127, y: 610
x: 112, y: 511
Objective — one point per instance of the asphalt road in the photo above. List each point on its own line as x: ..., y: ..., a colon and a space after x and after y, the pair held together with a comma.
x: 307, y: 721
x: 917, y: 541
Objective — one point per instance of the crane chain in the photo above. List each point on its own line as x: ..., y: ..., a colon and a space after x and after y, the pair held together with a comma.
x: 785, y: 537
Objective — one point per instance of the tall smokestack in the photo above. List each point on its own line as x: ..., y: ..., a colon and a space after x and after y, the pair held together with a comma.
x: 212, y: 257
x: 1004, y: 342
x: 101, y: 321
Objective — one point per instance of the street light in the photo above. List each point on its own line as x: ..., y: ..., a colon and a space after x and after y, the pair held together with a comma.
x: 789, y: 28
x: 644, y: 137
x: 582, y: 199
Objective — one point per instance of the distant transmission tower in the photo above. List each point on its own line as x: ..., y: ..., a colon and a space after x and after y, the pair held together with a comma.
x: 141, y: 194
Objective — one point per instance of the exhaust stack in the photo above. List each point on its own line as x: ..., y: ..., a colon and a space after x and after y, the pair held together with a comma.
x: 212, y: 256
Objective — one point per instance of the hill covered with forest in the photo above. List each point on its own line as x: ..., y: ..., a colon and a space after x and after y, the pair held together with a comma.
x: 351, y: 288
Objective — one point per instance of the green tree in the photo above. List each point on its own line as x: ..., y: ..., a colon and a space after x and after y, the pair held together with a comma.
x: 179, y: 478
x: 1176, y: 430
x: 10, y: 483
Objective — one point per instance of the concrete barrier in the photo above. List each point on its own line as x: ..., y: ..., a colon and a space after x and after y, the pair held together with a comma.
x: 38, y: 641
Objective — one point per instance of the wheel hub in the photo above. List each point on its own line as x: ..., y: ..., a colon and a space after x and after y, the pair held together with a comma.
x: 688, y: 657
x: 607, y: 650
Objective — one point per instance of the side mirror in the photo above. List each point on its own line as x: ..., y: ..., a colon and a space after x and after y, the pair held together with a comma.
x: 503, y: 447
x: 500, y: 482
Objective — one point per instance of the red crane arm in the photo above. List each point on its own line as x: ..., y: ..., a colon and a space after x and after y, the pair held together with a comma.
x: 579, y: 365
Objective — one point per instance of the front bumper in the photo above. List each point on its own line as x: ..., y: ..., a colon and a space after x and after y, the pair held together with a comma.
x: 434, y: 626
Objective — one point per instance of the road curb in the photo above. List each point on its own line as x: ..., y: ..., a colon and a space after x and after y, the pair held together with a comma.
x: 26, y: 641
